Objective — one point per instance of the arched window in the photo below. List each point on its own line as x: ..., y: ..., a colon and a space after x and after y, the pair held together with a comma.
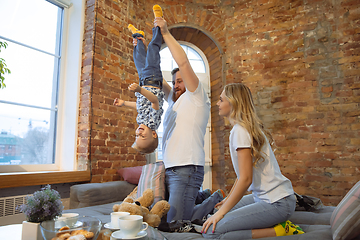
x: 196, y: 60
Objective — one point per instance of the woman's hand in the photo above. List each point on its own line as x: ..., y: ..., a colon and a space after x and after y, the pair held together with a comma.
x: 135, y: 40
x: 213, y: 220
x: 135, y: 87
x: 160, y: 22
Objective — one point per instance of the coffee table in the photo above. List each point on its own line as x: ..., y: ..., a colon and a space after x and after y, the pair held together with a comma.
x: 14, y: 231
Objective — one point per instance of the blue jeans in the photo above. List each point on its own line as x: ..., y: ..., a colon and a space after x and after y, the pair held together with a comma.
x: 247, y: 215
x: 207, y: 206
x: 183, y: 184
x: 148, y: 63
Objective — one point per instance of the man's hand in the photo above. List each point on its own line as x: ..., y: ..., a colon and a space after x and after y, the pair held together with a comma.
x: 135, y: 87
x: 219, y: 204
x: 119, y: 102
x: 160, y: 22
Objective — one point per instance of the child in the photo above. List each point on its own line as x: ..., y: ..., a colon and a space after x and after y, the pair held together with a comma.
x: 272, y: 199
x: 149, y: 93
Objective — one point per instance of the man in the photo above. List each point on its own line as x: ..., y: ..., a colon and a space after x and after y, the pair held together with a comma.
x: 184, y: 130
x: 185, y: 124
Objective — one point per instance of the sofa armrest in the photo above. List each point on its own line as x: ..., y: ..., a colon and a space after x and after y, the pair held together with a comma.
x: 91, y: 194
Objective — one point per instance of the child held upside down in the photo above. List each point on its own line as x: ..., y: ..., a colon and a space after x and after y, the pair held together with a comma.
x: 149, y: 93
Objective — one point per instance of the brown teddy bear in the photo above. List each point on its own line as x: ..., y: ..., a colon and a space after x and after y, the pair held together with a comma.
x: 140, y: 206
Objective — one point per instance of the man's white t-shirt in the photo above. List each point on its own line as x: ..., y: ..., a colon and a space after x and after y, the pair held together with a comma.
x: 268, y: 183
x: 185, y: 124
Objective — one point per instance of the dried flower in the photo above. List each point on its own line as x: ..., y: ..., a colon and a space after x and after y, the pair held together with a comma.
x: 42, y: 205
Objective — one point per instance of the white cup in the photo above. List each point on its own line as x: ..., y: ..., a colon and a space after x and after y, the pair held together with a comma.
x: 131, y: 225
x: 115, y: 218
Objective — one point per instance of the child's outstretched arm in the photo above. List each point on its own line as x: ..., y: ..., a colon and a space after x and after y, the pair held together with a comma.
x: 120, y: 103
x: 149, y: 95
x: 187, y: 73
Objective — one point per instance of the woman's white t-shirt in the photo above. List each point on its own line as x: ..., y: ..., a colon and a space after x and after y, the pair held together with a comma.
x: 268, y: 183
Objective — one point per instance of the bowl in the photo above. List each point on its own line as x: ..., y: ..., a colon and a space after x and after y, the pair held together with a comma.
x: 85, y: 225
x: 67, y: 219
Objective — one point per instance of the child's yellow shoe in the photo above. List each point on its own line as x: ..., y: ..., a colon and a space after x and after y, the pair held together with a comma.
x: 157, y: 11
x: 287, y: 228
x: 134, y: 30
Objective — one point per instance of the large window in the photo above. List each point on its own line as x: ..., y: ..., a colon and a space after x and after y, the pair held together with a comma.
x: 28, y: 105
x: 35, y: 100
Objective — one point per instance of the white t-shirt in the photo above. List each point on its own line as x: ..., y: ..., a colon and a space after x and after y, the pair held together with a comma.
x: 184, y: 129
x: 268, y: 183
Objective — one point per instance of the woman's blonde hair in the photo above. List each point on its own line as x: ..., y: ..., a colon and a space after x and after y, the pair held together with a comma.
x: 243, y: 112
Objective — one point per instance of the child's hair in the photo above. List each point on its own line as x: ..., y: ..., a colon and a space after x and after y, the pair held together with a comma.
x: 243, y: 112
x: 149, y: 149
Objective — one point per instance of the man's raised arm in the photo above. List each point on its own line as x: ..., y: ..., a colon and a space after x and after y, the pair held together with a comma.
x: 187, y: 73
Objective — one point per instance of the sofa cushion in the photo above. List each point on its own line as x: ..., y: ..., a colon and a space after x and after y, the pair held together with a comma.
x: 90, y: 194
x: 102, y: 212
x: 345, y: 220
x: 311, y: 218
x: 153, y: 177
x: 130, y: 174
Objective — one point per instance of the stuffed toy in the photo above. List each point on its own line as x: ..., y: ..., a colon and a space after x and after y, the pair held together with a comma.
x: 140, y: 206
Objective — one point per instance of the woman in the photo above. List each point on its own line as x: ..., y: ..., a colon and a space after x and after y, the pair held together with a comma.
x: 272, y: 200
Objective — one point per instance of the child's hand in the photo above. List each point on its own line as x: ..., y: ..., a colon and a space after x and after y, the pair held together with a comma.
x: 160, y: 22
x: 119, y: 102
x: 135, y: 87
x: 136, y: 40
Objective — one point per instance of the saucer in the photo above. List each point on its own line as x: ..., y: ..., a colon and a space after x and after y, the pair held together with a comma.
x: 60, y: 224
x: 77, y: 224
x: 118, y: 235
x: 110, y: 226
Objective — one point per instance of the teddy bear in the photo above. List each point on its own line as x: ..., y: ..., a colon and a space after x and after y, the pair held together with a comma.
x: 140, y: 206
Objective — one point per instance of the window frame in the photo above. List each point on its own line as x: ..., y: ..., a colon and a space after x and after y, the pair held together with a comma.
x: 65, y: 167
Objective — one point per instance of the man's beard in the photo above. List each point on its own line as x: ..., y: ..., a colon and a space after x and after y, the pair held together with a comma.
x: 177, y: 94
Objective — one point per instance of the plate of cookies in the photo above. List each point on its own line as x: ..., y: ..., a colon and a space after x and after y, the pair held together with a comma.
x: 86, y: 228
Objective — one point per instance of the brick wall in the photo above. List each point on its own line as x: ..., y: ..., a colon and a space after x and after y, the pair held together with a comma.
x: 106, y: 132
x: 300, y: 59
